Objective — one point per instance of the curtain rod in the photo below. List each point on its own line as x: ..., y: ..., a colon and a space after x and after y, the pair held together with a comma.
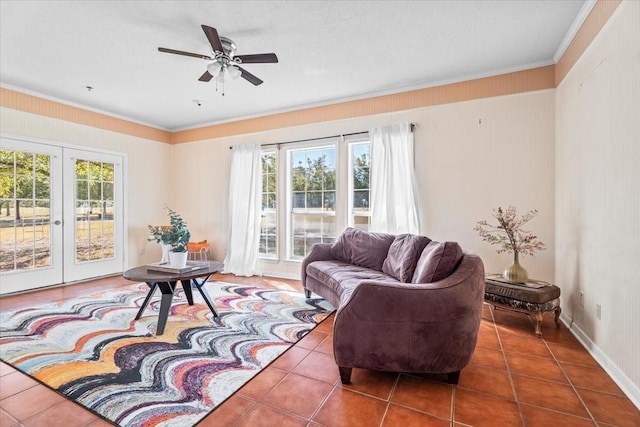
x: 413, y: 125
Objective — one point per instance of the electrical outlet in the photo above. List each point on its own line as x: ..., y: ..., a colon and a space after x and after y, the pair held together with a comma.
x: 598, y: 311
x: 142, y: 250
x: 582, y: 298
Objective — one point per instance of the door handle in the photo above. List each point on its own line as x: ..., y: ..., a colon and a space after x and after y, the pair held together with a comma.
x: 57, y: 222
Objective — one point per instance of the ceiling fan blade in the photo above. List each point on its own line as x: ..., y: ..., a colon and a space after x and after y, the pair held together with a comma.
x: 258, y: 58
x: 205, y: 77
x: 212, y: 36
x: 179, y: 52
x: 249, y: 77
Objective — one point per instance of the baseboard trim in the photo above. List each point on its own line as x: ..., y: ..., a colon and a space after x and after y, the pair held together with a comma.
x: 281, y: 275
x: 626, y: 385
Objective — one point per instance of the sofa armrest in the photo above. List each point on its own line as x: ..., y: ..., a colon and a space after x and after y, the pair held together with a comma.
x: 438, y: 302
x: 318, y: 252
x: 411, y: 327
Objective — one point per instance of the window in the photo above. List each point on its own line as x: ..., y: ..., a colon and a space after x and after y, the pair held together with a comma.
x: 95, y: 236
x: 269, y: 221
x: 311, y: 176
x: 359, y: 166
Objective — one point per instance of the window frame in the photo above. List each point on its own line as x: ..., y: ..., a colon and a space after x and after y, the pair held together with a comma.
x: 263, y: 255
x: 335, y: 213
x: 351, y: 214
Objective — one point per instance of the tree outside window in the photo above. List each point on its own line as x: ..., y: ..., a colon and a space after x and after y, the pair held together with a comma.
x: 268, y: 219
x: 313, y: 198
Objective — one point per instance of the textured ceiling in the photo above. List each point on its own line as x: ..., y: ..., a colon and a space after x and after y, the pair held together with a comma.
x: 328, y: 51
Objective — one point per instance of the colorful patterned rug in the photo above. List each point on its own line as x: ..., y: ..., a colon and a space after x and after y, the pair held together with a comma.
x: 92, y: 351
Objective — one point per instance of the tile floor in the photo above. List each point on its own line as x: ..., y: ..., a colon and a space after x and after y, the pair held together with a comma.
x: 514, y: 379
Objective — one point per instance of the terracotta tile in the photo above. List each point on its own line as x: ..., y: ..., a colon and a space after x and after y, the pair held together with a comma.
x: 311, y: 340
x: 405, y: 417
x: 534, y: 366
x: 374, y: 383
x: 527, y: 345
x: 487, y: 380
x: 227, y: 413
x: 262, y: 383
x: 326, y: 325
x: 100, y: 423
x: 513, y: 322
x: 427, y: 396
x: 350, y: 409
x: 319, y: 366
x: 7, y: 420
x: 484, y: 356
x: 298, y: 395
x: 480, y: 409
x: 571, y: 354
x: 326, y: 346
x: 540, y: 417
x: 6, y: 369
x: 547, y: 394
x: 15, y: 383
x: 65, y: 414
x: 290, y: 358
x: 611, y: 409
x: 261, y: 415
x: 591, y: 378
x: 487, y: 337
x: 39, y: 397
x: 486, y: 312
x: 561, y: 335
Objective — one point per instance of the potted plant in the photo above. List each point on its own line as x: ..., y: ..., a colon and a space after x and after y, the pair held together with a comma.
x: 175, y: 237
x: 159, y: 234
x: 511, y: 238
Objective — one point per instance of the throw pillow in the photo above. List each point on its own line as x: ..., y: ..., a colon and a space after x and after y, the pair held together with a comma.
x: 438, y: 260
x: 403, y: 256
x: 363, y: 248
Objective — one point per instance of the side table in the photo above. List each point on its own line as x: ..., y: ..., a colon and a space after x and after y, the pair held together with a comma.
x: 533, y: 298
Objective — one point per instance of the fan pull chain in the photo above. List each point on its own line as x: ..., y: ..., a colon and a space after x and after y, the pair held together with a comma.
x: 221, y: 83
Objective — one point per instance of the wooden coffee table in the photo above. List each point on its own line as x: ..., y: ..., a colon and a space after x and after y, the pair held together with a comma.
x: 167, y: 283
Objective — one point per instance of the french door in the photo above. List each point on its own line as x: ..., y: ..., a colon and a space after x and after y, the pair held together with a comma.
x: 61, y: 215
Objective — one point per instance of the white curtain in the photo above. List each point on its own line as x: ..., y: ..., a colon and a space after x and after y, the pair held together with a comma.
x: 394, y: 197
x: 245, y: 194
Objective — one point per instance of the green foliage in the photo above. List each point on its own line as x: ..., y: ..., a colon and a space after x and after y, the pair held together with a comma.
x: 23, y: 175
x: 176, y: 235
x: 314, y: 176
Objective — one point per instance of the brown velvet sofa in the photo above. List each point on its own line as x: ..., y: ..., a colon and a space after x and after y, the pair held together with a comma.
x: 404, y: 303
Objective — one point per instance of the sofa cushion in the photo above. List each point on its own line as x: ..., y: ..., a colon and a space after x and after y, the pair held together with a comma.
x: 403, y: 255
x: 438, y: 260
x: 362, y: 248
x: 338, y: 275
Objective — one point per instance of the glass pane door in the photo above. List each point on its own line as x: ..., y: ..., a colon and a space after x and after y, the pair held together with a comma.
x: 30, y: 215
x: 93, y: 244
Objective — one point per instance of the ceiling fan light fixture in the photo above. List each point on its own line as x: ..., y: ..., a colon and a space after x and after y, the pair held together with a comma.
x: 234, y: 72
x: 214, y: 68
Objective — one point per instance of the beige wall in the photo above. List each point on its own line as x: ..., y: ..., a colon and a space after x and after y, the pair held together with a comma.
x: 598, y: 196
x: 149, y: 170
x: 471, y: 157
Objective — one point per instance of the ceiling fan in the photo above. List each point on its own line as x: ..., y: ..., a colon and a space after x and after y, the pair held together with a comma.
x: 224, y: 59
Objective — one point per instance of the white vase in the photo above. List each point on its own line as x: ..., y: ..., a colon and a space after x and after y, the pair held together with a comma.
x: 165, y: 253
x: 178, y: 259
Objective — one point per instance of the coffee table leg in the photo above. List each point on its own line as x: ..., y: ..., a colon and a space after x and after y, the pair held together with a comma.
x: 205, y: 295
x: 152, y: 288
x: 167, y: 289
x: 186, y: 285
